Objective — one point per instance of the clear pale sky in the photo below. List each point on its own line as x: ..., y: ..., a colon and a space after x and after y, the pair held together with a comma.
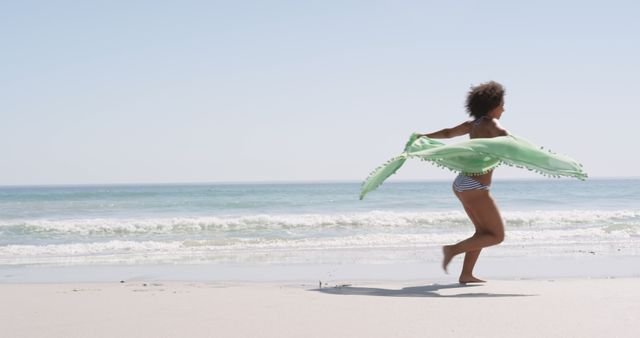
x: 218, y: 91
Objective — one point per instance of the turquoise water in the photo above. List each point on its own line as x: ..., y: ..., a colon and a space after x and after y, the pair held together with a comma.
x: 302, y: 223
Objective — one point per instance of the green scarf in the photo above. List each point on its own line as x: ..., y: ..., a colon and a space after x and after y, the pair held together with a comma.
x: 476, y: 157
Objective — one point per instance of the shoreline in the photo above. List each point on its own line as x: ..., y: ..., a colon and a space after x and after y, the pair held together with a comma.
x: 492, y: 268
x: 590, y: 295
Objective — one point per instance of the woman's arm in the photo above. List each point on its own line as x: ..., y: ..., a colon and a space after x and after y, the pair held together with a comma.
x: 459, y: 130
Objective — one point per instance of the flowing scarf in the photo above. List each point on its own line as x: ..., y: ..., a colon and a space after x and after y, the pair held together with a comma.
x: 476, y: 157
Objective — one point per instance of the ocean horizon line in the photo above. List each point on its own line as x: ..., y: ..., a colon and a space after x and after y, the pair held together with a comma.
x: 285, y: 182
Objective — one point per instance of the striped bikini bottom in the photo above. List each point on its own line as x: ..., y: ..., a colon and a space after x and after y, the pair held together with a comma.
x: 464, y: 183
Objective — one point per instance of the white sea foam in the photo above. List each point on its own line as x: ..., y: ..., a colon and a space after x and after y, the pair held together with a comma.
x: 378, y: 246
x: 365, y: 237
x: 628, y: 220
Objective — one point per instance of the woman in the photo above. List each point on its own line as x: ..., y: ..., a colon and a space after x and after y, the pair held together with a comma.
x: 485, y: 103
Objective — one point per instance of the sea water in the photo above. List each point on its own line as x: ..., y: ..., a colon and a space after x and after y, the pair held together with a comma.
x: 314, y: 223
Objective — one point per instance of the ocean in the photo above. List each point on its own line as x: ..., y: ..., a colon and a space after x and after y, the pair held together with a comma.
x: 315, y: 223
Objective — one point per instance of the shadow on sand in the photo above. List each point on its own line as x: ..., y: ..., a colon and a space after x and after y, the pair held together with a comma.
x: 414, y: 291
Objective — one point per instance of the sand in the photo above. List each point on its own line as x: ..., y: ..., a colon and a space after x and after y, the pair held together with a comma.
x: 605, y: 307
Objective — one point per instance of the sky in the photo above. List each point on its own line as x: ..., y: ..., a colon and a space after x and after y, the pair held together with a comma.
x: 102, y: 92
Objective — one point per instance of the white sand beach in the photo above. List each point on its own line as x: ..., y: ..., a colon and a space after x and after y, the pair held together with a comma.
x: 605, y: 307
x: 199, y: 169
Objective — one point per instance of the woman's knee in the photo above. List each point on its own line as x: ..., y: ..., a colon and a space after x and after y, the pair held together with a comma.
x: 497, y: 237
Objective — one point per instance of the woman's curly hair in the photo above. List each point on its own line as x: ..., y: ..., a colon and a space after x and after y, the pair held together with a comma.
x: 483, y: 98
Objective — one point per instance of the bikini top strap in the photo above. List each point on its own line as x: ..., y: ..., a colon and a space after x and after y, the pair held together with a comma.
x: 477, y: 121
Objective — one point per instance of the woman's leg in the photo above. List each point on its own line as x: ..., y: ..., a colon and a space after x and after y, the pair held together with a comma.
x: 489, y: 227
x: 466, y: 276
x: 470, y: 257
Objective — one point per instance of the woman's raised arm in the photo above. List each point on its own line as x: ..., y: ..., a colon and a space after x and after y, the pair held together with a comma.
x: 459, y: 130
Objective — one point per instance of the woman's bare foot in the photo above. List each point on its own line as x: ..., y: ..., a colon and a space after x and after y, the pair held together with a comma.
x: 470, y: 279
x: 447, y: 257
